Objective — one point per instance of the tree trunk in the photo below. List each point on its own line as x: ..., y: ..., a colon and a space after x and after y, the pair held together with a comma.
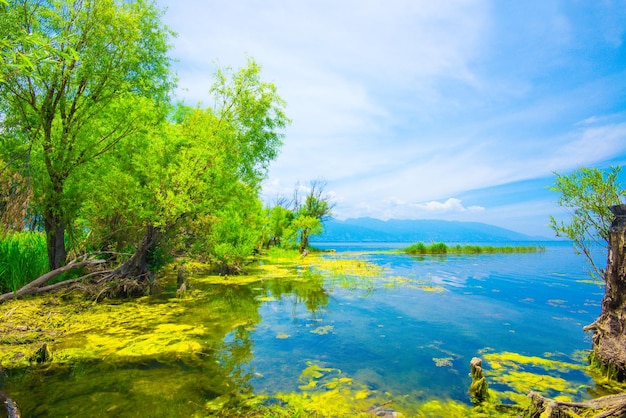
x: 137, y: 266
x: 609, y: 338
x: 55, y: 239
x: 304, y: 239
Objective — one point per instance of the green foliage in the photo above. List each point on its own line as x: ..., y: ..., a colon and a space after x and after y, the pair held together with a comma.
x: 279, y: 220
x: 23, y: 258
x: 82, y: 76
x: 84, y: 95
x: 300, y: 229
x: 236, y: 233
x: 195, y: 179
x: 306, y: 219
x: 587, y: 194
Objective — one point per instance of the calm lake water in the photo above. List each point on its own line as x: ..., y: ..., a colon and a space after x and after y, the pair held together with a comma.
x: 388, y: 336
x: 412, y: 333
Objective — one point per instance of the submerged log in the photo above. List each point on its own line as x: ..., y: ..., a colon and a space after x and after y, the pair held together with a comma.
x: 9, y: 407
x: 478, y: 390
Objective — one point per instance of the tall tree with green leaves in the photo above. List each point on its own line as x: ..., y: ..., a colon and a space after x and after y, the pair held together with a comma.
x: 587, y: 194
x: 79, y: 76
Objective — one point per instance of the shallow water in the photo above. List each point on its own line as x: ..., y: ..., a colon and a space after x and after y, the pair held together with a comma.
x: 409, y: 332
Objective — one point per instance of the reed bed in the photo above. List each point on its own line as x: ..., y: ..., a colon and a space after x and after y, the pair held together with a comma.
x: 23, y: 258
x: 421, y: 248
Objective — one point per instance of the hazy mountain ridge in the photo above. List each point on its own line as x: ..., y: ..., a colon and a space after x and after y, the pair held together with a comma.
x: 397, y: 230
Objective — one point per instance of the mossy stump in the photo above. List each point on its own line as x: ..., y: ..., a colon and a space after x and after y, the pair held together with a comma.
x: 478, y: 390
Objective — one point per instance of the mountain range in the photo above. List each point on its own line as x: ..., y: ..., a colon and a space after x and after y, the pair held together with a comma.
x: 397, y: 230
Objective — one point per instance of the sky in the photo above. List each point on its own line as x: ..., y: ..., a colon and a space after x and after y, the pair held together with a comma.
x: 417, y: 109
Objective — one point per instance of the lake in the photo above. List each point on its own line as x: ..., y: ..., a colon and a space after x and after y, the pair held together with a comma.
x: 388, y: 335
x: 404, y: 330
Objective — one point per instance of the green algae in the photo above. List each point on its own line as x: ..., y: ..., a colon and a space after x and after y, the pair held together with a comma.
x: 322, y: 330
x: 516, y: 375
x: 443, y: 361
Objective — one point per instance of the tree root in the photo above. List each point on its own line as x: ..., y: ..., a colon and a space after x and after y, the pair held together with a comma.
x: 604, y: 407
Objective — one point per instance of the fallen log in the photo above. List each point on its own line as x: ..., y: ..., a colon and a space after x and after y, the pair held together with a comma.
x: 604, y: 407
x: 35, y: 285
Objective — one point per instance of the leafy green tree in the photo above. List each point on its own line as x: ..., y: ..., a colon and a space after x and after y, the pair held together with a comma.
x: 587, y: 194
x: 194, y: 185
x: 311, y: 214
x: 301, y: 228
x: 279, y: 219
x: 79, y: 76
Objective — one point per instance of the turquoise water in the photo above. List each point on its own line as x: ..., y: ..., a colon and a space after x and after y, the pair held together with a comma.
x: 533, y: 304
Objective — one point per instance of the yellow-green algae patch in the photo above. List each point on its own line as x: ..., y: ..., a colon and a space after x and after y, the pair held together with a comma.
x: 322, y: 330
x: 326, y: 391
x: 521, y: 374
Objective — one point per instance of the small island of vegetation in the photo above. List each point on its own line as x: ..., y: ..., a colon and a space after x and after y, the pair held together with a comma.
x: 421, y: 248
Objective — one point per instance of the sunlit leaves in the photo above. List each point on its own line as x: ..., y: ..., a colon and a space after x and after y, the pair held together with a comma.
x: 587, y: 194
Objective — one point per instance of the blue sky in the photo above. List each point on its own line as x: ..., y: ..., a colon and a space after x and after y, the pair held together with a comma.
x: 456, y: 110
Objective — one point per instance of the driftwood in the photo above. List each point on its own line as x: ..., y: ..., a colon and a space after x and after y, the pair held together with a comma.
x: 604, y: 407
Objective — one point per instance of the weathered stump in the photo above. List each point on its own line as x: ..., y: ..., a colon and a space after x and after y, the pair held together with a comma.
x: 609, y: 330
x: 478, y: 390
x: 42, y: 355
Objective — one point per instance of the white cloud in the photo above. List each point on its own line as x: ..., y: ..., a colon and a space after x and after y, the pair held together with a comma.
x: 450, y: 205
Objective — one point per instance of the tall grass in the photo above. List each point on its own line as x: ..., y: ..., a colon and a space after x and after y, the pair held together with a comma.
x: 23, y: 258
x: 441, y: 248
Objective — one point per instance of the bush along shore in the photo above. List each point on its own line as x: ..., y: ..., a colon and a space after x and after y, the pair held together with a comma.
x: 421, y: 248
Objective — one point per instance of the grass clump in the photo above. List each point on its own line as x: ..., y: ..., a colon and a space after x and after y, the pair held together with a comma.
x: 441, y: 248
x: 23, y: 258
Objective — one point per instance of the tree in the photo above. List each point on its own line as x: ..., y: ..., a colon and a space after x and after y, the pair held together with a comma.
x: 588, y: 193
x: 279, y: 218
x: 79, y: 77
x: 311, y: 214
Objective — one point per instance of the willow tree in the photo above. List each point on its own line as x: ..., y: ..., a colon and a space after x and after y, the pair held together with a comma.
x: 78, y: 77
x: 193, y: 185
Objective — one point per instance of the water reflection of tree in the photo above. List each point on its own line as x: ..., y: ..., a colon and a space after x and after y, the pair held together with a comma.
x: 234, y: 351
x: 308, y: 289
x: 214, y: 378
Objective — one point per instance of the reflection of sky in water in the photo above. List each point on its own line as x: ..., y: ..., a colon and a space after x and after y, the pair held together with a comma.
x: 389, y: 337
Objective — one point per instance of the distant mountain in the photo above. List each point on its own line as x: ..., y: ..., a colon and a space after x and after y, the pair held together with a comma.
x: 396, y: 230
